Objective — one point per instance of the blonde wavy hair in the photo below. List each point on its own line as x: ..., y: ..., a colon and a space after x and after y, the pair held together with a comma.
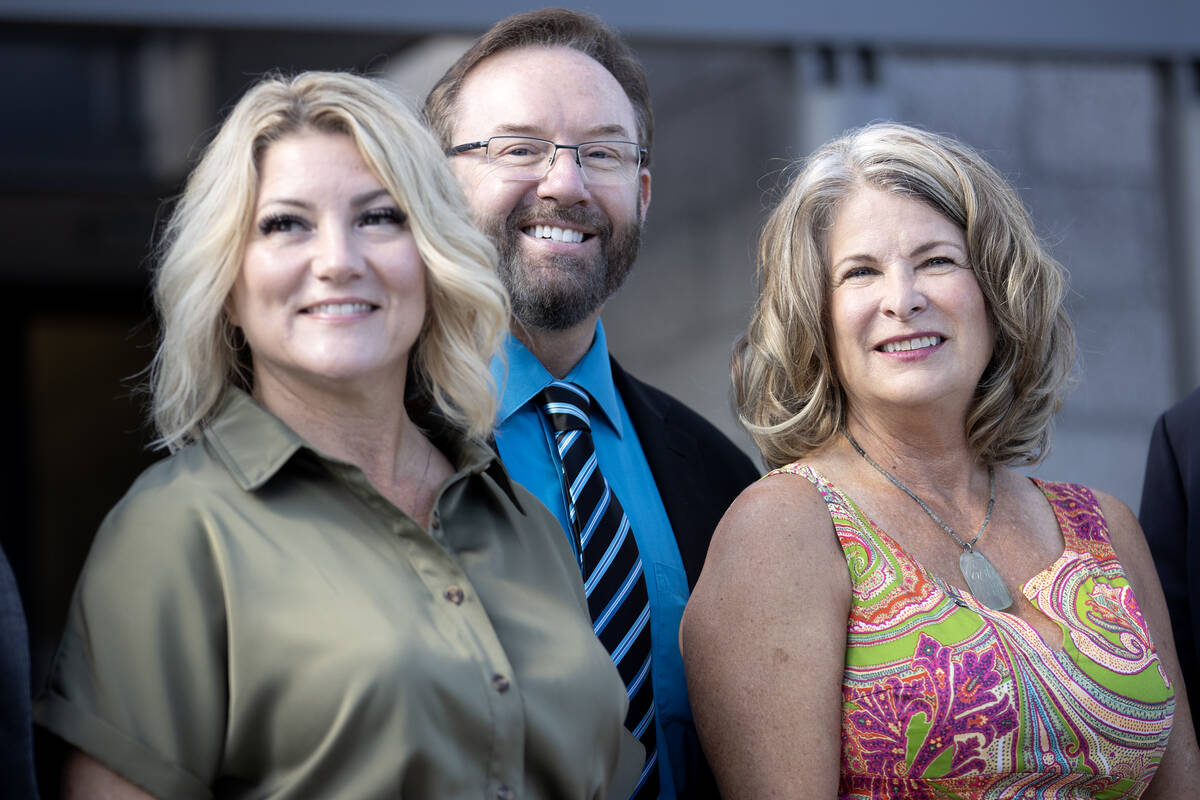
x: 201, y: 252
x: 785, y: 384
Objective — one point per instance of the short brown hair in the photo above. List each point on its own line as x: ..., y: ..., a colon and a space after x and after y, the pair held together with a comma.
x: 787, y: 389
x: 549, y: 27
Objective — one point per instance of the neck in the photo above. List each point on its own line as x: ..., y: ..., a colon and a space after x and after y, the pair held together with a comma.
x: 932, y: 460
x: 367, y: 427
x: 558, y: 351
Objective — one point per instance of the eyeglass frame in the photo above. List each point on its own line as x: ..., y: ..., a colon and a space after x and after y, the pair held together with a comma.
x: 642, y: 152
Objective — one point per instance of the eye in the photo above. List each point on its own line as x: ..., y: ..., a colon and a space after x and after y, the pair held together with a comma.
x: 608, y: 155
x: 383, y: 216
x: 505, y: 149
x: 940, y: 262
x: 860, y: 271
x: 280, y: 223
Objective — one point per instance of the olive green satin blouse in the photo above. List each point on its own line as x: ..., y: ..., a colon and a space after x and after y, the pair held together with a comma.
x: 254, y: 620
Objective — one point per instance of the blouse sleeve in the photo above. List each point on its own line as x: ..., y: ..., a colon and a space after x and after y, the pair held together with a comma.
x: 139, y: 679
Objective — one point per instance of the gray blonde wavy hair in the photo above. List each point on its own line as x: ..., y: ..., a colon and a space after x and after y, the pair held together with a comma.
x: 204, y: 241
x: 785, y: 385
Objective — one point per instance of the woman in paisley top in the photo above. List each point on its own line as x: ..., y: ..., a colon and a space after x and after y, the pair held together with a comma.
x: 896, y: 611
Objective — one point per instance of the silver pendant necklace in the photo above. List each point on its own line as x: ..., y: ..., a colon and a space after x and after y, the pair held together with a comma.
x: 982, y: 578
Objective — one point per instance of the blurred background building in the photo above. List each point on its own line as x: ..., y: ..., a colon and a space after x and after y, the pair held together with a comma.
x: 1090, y: 107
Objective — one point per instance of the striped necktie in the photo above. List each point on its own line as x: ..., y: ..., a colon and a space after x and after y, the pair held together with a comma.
x: 611, y: 566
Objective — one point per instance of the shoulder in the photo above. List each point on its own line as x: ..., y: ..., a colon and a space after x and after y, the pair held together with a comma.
x: 640, y: 397
x: 774, y: 558
x: 778, y: 528
x: 163, y: 520
x: 1187, y: 408
x: 1180, y: 423
x: 790, y: 497
x: 1127, y: 540
x: 1123, y: 528
x: 175, y: 484
x: 637, y: 392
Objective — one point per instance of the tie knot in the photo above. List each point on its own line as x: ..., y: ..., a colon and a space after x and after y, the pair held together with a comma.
x: 566, y: 406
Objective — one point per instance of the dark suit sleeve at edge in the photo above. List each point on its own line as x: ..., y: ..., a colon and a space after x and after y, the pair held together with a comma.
x: 1164, y: 518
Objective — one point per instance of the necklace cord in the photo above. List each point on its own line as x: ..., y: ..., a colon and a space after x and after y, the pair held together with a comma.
x: 987, y: 517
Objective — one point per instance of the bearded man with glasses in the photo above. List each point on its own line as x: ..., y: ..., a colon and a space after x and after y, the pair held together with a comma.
x: 546, y: 120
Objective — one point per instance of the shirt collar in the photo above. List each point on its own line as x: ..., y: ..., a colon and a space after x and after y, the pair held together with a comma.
x: 525, y: 377
x: 254, y: 444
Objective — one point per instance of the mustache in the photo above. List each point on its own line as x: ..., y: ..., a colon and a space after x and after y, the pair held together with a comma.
x: 551, y: 213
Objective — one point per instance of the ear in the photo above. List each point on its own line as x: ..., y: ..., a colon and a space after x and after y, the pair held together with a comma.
x: 643, y: 192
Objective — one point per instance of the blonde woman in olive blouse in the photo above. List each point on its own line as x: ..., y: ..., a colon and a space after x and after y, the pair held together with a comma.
x: 330, y: 588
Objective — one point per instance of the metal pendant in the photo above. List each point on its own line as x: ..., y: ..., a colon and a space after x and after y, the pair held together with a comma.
x: 983, y: 580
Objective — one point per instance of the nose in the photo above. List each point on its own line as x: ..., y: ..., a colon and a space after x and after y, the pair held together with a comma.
x: 337, y: 258
x: 903, y: 298
x: 564, y: 180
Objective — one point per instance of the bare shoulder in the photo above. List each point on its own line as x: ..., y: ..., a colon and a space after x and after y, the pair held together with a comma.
x: 1127, y: 539
x: 1126, y: 535
x: 778, y: 512
x: 1120, y: 517
x: 775, y: 545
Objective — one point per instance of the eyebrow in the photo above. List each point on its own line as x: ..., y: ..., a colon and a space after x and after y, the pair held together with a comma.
x: 935, y: 244
x: 594, y: 132
x: 355, y: 201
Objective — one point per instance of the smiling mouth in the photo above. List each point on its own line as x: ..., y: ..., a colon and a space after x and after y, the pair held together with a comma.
x: 917, y: 343
x: 339, y: 309
x: 556, y: 233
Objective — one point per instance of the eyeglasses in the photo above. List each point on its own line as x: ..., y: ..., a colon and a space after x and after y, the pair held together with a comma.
x: 524, y: 158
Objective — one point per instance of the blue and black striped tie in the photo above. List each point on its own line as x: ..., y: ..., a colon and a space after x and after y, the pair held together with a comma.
x: 611, y: 566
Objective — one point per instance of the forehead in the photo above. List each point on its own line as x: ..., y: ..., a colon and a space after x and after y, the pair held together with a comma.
x: 552, y: 92
x: 875, y: 221
x: 299, y: 160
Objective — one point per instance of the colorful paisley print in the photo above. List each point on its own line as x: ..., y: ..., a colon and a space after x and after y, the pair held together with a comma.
x: 943, y: 697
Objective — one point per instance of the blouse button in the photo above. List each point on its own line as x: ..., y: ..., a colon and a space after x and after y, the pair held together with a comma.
x: 500, y: 683
x: 505, y: 793
x: 454, y: 594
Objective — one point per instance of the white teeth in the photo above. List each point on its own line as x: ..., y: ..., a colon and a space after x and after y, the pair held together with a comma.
x: 338, y: 309
x: 554, y: 233
x: 912, y: 344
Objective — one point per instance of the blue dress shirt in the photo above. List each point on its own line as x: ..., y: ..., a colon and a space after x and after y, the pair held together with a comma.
x: 526, y: 444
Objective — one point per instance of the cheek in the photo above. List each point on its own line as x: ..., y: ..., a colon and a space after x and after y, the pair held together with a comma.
x: 845, y: 319
x: 235, y: 303
x: 266, y: 278
x: 487, y: 196
x: 407, y: 275
x: 623, y: 208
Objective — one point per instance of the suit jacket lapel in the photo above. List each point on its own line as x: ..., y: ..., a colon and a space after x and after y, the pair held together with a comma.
x: 672, y: 454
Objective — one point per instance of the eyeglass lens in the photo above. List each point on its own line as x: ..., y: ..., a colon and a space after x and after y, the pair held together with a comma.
x: 603, y: 163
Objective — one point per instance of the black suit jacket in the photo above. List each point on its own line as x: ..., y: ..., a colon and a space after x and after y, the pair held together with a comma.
x: 16, y: 715
x: 1170, y: 516
x: 698, y: 472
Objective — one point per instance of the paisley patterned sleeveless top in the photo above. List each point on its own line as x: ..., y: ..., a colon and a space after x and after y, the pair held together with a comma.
x: 943, y: 697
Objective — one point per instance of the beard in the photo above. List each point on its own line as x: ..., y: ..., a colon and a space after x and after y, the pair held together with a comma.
x: 578, y: 285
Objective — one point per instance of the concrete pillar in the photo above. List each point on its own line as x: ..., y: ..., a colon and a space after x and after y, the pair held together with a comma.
x: 177, y: 100
x: 1181, y: 170
x: 837, y: 88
